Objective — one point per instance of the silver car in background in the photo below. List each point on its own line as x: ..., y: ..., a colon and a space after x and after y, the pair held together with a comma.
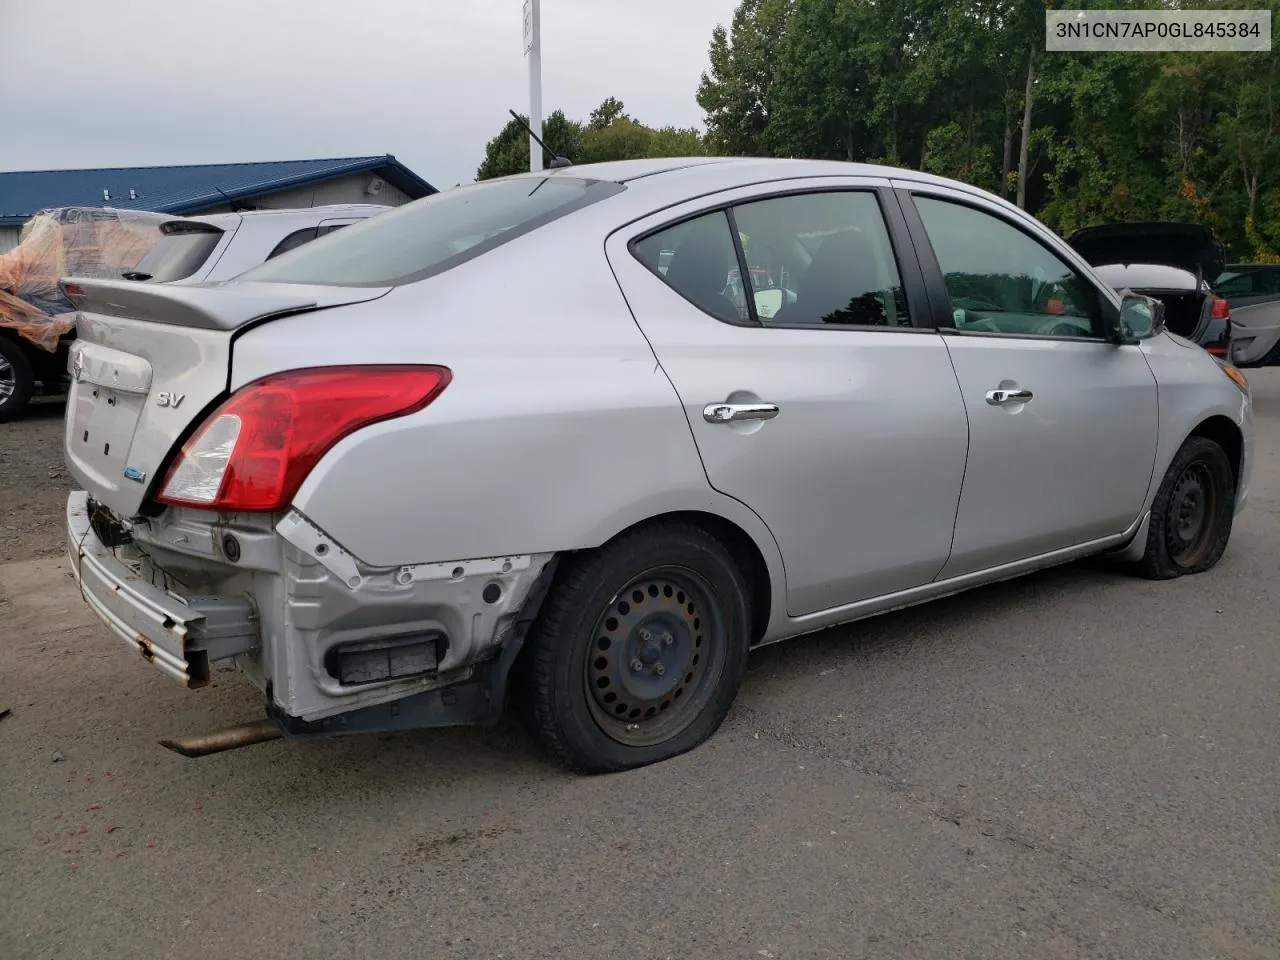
x: 218, y: 246
x: 527, y: 433
x: 1253, y: 290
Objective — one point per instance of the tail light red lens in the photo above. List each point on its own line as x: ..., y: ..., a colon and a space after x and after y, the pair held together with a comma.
x: 253, y: 452
x: 1220, y: 309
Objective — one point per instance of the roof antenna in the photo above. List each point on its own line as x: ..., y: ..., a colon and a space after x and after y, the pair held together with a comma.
x: 236, y: 206
x: 556, y: 160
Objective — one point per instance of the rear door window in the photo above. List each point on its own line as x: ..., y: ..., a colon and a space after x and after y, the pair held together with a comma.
x: 434, y: 234
x: 818, y: 259
x: 812, y: 260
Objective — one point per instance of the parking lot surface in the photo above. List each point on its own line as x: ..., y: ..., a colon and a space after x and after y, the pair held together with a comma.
x: 1075, y: 764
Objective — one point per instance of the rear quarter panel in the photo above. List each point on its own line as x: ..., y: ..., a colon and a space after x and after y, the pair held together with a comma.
x: 558, y: 430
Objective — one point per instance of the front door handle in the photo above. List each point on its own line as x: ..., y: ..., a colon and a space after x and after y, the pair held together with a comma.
x: 733, y: 412
x: 998, y: 397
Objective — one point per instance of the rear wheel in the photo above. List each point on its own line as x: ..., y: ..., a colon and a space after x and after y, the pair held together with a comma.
x: 638, y: 652
x: 1192, y: 513
x: 16, y: 379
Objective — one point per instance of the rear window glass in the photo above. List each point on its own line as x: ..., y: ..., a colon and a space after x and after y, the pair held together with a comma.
x: 294, y: 240
x: 434, y: 234
x: 176, y: 255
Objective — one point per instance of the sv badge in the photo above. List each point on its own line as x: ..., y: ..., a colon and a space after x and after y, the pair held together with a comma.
x: 166, y: 399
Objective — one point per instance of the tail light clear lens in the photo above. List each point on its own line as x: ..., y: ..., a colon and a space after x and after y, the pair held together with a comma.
x: 253, y: 452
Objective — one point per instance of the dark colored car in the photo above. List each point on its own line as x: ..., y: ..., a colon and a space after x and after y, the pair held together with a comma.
x: 1253, y: 290
x: 26, y: 369
x: 1172, y: 262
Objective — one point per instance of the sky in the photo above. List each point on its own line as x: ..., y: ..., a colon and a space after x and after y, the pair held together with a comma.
x: 104, y: 83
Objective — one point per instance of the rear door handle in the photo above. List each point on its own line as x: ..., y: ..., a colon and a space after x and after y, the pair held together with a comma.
x: 733, y: 412
x: 998, y: 397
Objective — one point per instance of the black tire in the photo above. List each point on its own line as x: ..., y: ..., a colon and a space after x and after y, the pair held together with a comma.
x: 1192, y: 513
x: 638, y: 651
x: 17, y: 381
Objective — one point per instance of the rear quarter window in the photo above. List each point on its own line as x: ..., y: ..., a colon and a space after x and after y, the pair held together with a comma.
x: 434, y: 234
x: 177, y: 255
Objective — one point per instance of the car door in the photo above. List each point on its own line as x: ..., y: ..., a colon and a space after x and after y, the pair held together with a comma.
x: 1062, y: 421
x: 815, y: 389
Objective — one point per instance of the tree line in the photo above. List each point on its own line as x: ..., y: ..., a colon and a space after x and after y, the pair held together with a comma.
x: 609, y: 133
x: 965, y: 89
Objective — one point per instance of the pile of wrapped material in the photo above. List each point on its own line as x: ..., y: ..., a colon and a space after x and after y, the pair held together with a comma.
x: 90, y: 242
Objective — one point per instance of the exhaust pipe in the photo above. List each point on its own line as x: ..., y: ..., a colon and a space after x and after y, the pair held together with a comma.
x: 260, y: 731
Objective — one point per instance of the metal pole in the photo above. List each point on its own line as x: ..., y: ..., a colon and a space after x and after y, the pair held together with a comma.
x: 533, y: 48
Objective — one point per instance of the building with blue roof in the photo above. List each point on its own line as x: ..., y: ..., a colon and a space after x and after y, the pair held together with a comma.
x: 194, y: 189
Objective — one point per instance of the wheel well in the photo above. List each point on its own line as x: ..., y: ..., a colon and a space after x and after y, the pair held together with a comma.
x: 740, y: 544
x: 1226, y: 435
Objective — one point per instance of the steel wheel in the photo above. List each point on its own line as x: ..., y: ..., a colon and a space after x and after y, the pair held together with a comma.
x: 1192, y: 513
x: 656, y: 658
x: 638, y: 650
x: 1190, y: 520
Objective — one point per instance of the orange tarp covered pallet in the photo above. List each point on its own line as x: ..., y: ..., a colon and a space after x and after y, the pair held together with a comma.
x: 91, y: 242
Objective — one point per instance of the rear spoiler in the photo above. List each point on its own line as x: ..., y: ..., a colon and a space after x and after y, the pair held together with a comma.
x: 224, y: 307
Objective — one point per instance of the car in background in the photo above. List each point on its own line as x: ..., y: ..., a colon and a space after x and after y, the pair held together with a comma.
x: 1253, y: 290
x: 190, y: 250
x: 219, y: 246
x: 485, y: 442
x: 1172, y: 262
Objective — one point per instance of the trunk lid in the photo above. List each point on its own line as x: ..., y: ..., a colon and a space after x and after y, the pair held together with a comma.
x: 149, y: 361
x: 1189, y: 246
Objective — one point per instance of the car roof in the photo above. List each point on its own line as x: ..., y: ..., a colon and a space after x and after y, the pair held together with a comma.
x: 306, y: 214
x: 654, y: 184
x: 331, y: 209
x: 750, y: 169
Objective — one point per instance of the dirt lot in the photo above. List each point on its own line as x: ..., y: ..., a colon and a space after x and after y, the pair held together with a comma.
x: 1077, y: 764
x: 33, y: 484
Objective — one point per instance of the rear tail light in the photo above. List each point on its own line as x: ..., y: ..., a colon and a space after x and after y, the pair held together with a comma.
x: 1220, y: 309
x: 254, y: 451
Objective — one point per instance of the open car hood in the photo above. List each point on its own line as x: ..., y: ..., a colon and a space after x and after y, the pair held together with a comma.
x: 1185, y: 245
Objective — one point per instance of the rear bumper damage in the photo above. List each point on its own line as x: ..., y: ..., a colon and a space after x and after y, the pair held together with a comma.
x: 336, y: 646
x: 180, y: 636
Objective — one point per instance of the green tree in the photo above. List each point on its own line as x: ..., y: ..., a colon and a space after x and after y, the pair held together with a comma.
x: 608, y: 134
x: 734, y: 91
x: 677, y: 142
x: 610, y: 110
x: 623, y: 139
x: 965, y: 88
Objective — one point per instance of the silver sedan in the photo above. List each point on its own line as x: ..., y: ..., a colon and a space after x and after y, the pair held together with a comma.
x: 593, y: 434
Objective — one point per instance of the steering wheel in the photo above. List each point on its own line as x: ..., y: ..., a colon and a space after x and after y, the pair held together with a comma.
x: 1059, y: 328
x: 976, y: 303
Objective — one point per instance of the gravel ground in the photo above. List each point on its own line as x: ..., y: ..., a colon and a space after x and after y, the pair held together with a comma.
x: 1075, y: 764
x: 33, y: 483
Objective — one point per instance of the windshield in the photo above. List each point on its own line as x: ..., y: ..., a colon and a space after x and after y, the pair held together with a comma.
x: 177, y: 255
x: 434, y: 234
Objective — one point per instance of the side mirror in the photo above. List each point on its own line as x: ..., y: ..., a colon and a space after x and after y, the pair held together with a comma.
x: 1140, y: 318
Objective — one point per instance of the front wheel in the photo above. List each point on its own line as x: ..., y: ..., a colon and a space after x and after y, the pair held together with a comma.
x: 638, y: 651
x: 1192, y: 513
